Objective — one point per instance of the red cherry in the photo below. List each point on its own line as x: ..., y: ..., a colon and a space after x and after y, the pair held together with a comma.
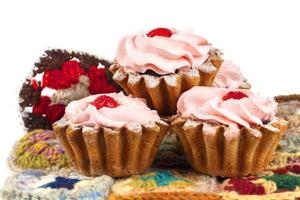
x: 162, y: 32
x: 104, y: 101
x: 234, y: 95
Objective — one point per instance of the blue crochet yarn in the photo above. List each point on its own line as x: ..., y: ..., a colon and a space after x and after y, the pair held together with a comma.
x: 162, y: 178
x: 61, y: 182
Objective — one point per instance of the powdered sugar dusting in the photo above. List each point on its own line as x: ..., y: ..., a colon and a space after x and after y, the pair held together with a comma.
x: 191, y: 73
x: 209, y: 129
x: 119, y: 75
x: 87, y: 129
x: 151, y: 81
x: 134, y: 78
x: 208, y: 68
x: 135, y: 127
x: 171, y: 80
x: 190, y: 124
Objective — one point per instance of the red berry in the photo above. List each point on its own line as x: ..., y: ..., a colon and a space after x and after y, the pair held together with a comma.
x: 234, y: 95
x: 104, y: 101
x: 162, y: 32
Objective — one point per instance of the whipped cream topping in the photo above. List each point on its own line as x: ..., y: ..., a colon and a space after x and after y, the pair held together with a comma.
x: 228, y: 76
x: 130, y: 112
x: 206, y: 104
x: 163, y: 55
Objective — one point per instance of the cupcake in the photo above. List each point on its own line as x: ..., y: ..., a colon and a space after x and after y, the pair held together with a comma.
x: 110, y: 134
x: 227, y: 132
x: 58, y: 78
x: 230, y: 76
x: 163, y: 63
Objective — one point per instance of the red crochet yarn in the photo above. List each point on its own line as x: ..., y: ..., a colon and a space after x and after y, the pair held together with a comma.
x: 294, y: 168
x: 243, y: 187
x: 62, y: 79
x: 35, y: 85
x: 42, y: 106
x: 72, y: 70
x: 55, y: 112
x: 98, y: 81
x: 52, y: 112
x: 55, y: 79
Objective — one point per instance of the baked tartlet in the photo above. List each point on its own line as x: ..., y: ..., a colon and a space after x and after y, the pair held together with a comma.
x: 227, y: 133
x: 110, y: 134
x: 160, y: 65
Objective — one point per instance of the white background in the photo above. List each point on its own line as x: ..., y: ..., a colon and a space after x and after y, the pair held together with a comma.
x: 263, y: 37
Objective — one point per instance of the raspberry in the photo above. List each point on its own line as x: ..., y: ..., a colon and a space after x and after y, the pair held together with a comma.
x: 234, y: 95
x: 104, y: 101
x: 162, y: 32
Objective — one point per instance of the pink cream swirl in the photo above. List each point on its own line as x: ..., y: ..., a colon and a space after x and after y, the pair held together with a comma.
x: 228, y: 76
x: 163, y: 55
x: 130, y: 112
x: 207, y: 104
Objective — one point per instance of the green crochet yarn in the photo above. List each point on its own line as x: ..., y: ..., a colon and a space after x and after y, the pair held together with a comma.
x: 284, y: 181
x: 38, y: 149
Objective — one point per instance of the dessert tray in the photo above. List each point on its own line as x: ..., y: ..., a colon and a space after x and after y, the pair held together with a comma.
x: 56, y: 159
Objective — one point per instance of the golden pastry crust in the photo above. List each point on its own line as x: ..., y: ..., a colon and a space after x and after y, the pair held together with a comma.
x: 214, y: 154
x: 114, y: 152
